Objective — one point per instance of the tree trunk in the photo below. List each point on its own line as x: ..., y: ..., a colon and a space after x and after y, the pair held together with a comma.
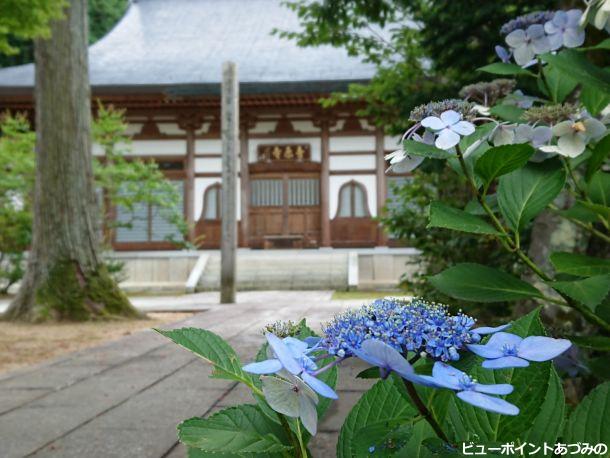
x: 66, y: 278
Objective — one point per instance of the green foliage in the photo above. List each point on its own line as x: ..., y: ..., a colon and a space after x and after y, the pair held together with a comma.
x: 26, y: 19
x: 590, y: 291
x: 590, y: 421
x: 29, y: 19
x: 501, y: 160
x: 505, y: 69
x: 406, y: 218
x: 16, y: 185
x: 447, y: 217
x: 378, y: 412
x: 524, y: 193
x: 579, y: 264
x: 479, y: 283
x: 213, y: 349
x: 241, y: 430
x: 574, y: 65
x: 454, y: 36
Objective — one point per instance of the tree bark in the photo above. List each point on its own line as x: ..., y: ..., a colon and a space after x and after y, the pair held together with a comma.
x: 66, y: 278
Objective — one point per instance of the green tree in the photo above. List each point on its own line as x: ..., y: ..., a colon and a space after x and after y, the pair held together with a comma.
x: 424, y: 50
x: 103, y: 15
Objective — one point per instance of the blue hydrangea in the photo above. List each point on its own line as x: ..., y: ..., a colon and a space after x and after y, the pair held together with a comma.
x: 414, y: 325
x: 523, y: 22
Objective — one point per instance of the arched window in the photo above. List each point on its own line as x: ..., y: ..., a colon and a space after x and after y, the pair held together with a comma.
x: 211, y: 202
x: 352, y: 201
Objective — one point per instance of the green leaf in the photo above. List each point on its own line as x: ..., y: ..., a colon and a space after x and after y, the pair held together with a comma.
x: 579, y: 212
x: 478, y: 283
x: 501, y: 160
x: 590, y: 421
x: 383, y: 402
x: 598, y: 188
x: 501, y: 68
x: 560, y: 84
x: 388, y: 437
x: 593, y: 99
x: 524, y: 193
x: 213, y: 349
x: 590, y: 291
x: 537, y: 393
x: 474, y: 207
x: 575, y: 64
x: 579, y: 264
x: 242, y: 429
x: 442, y: 215
x: 600, y: 153
x: 421, y: 149
x: 510, y: 113
x: 602, y: 45
x: 598, y: 209
x: 600, y: 343
x: 369, y: 373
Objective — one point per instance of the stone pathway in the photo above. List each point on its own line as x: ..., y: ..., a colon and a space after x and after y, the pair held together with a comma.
x: 124, y: 399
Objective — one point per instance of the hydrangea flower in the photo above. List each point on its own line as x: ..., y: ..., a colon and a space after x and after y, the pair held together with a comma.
x: 597, y: 14
x: 565, y: 30
x: 415, y: 325
x: 503, y: 54
x: 387, y: 359
x: 291, y: 355
x: 526, y: 44
x: 573, y: 136
x: 524, y: 21
x: 472, y: 392
x: 506, y: 350
x: 448, y: 127
x: 522, y: 133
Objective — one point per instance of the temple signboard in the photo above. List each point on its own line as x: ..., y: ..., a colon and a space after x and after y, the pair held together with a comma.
x: 284, y: 152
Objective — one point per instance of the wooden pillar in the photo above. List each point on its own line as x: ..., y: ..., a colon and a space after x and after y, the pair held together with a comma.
x: 325, y: 185
x: 230, y: 136
x: 189, y: 185
x: 244, y: 181
x: 380, y: 167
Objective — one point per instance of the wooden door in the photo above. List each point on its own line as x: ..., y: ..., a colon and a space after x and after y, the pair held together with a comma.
x: 284, y: 210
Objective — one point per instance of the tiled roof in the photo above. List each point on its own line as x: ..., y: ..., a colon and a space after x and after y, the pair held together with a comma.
x: 180, y: 45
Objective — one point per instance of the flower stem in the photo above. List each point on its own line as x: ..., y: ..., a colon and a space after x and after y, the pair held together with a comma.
x: 328, y: 366
x: 296, y: 441
x: 423, y: 410
x: 300, y: 437
x: 509, y: 244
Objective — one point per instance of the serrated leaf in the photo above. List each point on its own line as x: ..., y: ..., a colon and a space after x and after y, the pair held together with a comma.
x: 600, y: 343
x: 447, y: 217
x: 502, y: 68
x: 241, y: 429
x: 590, y: 421
x: 579, y: 264
x: 559, y: 83
x: 590, y: 291
x: 386, y: 438
x: 510, y: 113
x: 576, y: 65
x: 478, y: 283
x: 501, y: 160
x: 381, y: 403
x: 369, y: 373
x: 598, y: 157
x: 579, y: 212
x: 593, y: 99
x: 213, y: 349
x: 524, y: 193
x: 598, y: 188
x: 416, y: 148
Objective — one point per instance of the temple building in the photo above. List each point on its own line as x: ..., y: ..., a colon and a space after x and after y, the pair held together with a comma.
x: 308, y: 176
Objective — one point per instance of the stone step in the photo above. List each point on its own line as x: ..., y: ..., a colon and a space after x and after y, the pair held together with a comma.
x: 288, y: 270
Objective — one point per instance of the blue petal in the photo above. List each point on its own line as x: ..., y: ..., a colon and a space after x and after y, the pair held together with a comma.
x: 319, y: 386
x: 424, y: 380
x: 489, y: 403
x: 296, y: 346
x: 485, y: 351
x: 269, y: 366
x: 504, y: 363
x: 447, y: 376
x: 501, y: 388
x: 364, y: 356
x: 282, y: 352
x: 312, y: 341
x: 489, y: 330
x: 540, y: 348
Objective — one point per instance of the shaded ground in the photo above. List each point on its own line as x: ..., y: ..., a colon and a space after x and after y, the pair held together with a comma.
x: 24, y: 344
x: 124, y: 398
